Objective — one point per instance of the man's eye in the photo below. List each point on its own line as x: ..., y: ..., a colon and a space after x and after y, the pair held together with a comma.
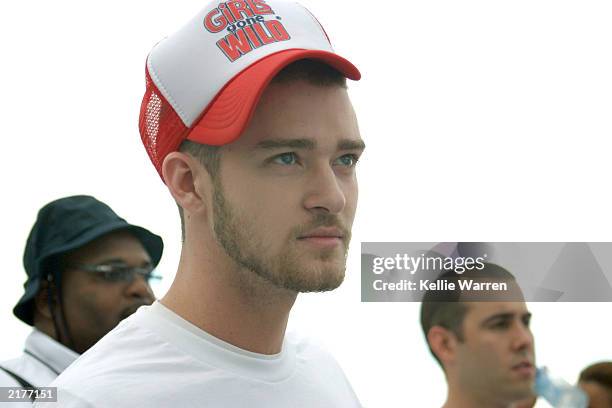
x: 527, y: 321
x: 117, y: 274
x: 348, y: 160
x: 502, y: 324
x: 286, y: 159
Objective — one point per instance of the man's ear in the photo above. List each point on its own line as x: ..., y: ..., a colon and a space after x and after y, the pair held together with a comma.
x: 443, y: 343
x: 181, y: 173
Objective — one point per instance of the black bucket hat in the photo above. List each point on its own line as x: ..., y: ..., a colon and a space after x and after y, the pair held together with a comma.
x: 67, y: 224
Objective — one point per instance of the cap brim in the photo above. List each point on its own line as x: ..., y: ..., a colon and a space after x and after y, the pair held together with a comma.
x: 23, y: 310
x: 229, y: 113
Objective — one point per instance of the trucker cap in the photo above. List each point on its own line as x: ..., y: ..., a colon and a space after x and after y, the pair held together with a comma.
x: 204, y: 81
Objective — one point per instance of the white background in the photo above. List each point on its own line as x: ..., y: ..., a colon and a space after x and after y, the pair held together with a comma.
x: 485, y: 121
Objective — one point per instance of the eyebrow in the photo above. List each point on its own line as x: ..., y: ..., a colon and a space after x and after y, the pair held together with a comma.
x: 283, y: 143
x: 350, y: 144
x: 503, y: 316
x: 308, y: 144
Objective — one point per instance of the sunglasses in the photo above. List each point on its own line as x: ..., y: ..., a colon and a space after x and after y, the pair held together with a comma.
x: 119, y: 273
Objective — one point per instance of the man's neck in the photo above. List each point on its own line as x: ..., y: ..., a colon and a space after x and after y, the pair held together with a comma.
x: 460, y: 399
x: 233, y: 305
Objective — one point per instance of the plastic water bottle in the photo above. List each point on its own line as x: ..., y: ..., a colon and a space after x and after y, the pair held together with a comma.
x: 558, y: 392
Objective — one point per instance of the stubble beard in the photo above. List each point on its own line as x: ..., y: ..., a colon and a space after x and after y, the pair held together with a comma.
x: 236, y: 235
x: 503, y: 387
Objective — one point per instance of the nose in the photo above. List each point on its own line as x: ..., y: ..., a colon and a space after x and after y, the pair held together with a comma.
x: 139, y: 288
x: 523, y: 338
x: 325, y: 192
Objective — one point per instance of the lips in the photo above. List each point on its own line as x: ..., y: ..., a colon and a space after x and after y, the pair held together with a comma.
x: 323, y: 238
x: 324, y: 232
x: 524, y: 368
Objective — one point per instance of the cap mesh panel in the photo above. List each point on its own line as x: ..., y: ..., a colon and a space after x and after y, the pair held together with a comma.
x: 161, y: 129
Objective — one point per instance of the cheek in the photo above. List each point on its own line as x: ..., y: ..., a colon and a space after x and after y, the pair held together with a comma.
x: 493, y: 351
x: 272, y: 221
x: 486, y: 349
x: 351, y: 193
x: 260, y: 200
x: 95, y: 302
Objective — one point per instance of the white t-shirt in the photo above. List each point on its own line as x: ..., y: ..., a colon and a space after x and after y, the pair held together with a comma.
x: 157, y: 359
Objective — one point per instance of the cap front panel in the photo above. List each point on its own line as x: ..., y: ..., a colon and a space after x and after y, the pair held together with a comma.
x: 191, y: 66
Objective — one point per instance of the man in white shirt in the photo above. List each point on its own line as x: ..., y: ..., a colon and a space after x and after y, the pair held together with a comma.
x: 481, y: 339
x: 247, y: 119
x: 87, y: 269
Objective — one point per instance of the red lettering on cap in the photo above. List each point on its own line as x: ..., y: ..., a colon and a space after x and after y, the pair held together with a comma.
x: 259, y: 7
x: 255, y: 41
x: 277, y: 29
x: 227, y: 13
x: 234, y: 45
x: 240, y: 9
x: 247, y: 27
x: 263, y: 35
x: 214, y: 21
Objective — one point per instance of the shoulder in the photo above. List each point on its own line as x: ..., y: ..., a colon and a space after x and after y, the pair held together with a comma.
x: 313, y: 357
x: 115, y: 352
x: 131, y: 362
x: 309, y: 349
x: 317, y: 364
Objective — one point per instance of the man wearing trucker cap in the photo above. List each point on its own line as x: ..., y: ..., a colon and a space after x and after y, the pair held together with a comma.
x: 247, y: 120
x: 87, y: 269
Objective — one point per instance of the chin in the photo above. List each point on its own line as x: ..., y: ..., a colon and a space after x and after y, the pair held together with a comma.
x: 522, y: 391
x: 323, y: 281
x: 302, y: 272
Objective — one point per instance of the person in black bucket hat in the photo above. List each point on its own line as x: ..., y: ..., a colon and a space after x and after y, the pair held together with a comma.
x: 87, y: 269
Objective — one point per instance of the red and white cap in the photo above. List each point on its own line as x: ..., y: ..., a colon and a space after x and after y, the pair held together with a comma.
x: 204, y: 81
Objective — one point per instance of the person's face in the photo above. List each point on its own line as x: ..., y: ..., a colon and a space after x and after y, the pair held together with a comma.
x: 496, y: 357
x: 94, y: 305
x: 286, y: 193
x: 599, y: 396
